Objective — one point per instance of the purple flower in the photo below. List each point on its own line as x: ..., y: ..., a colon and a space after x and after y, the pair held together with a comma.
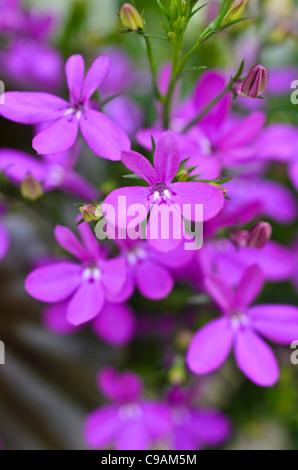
x: 162, y: 194
x: 54, y: 172
x: 116, y: 324
x: 195, y: 428
x: 240, y: 328
x: 220, y: 140
x: 130, y: 422
x: 85, y: 284
x: 149, y: 269
x: 65, y: 118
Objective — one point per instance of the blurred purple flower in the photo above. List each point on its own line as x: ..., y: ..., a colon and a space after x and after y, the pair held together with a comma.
x: 64, y: 119
x: 162, y: 193
x: 54, y: 172
x: 130, y: 423
x: 4, y: 236
x: 86, y: 284
x: 240, y: 327
x: 116, y: 324
x: 195, y: 428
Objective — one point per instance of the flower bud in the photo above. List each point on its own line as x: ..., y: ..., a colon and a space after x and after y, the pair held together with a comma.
x: 91, y: 212
x: 255, y: 82
x: 258, y: 235
x: 235, y: 11
x: 130, y: 17
x: 31, y: 188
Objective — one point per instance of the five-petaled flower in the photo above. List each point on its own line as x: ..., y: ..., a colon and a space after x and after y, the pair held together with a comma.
x: 240, y: 327
x: 65, y: 118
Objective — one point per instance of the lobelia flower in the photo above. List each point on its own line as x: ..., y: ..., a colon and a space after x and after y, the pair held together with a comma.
x: 195, y: 428
x: 116, y: 324
x: 53, y: 172
x: 162, y: 195
x: 65, y: 118
x: 148, y: 269
x: 254, y: 84
x: 130, y: 422
x: 220, y: 140
x: 86, y: 284
x: 241, y: 328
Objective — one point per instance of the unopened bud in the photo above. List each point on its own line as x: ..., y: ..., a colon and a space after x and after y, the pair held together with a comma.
x: 31, y: 188
x: 235, y: 11
x: 130, y: 17
x: 91, y: 212
x: 259, y: 234
x: 255, y: 83
x: 182, y: 175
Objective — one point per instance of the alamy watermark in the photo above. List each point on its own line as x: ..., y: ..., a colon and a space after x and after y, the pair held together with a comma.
x: 166, y: 222
x: 294, y: 355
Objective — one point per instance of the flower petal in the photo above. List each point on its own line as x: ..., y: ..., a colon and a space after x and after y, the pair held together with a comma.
x: 192, y: 193
x: 167, y: 157
x: 55, y: 282
x: 153, y: 280
x: 75, y: 184
x: 75, y: 71
x: 157, y: 417
x: 116, y: 324
x: 57, y: 138
x: 16, y: 165
x: 86, y: 303
x: 210, y: 346
x: 90, y: 242
x: 96, y: 74
x: 139, y: 165
x: 278, y: 323
x: 103, y: 136
x: 133, y: 435
x: 114, y: 274
x: 101, y: 426
x: 54, y: 317
x: 243, y: 132
x: 69, y: 242
x: 221, y: 292
x: 255, y: 358
x: 125, y: 387
x: 32, y: 108
x: 250, y: 286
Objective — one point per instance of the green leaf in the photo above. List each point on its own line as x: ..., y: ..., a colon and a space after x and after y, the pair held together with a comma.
x: 80, y: 222
x: 196, y: 11
x: 131, y: 177
x: 153, y: 144
x: 164, y: 10
x: 156, y: 37
x: 239, y: 71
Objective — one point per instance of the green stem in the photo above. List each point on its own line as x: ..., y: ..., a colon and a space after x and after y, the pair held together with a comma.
x: 152, y: 66
x: 207, y: 108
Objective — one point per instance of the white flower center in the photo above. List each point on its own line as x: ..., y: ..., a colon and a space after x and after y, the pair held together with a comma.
x: 239, y: 319
x: 130, y: 411
x: 91, y: 274
x: 133, y: 256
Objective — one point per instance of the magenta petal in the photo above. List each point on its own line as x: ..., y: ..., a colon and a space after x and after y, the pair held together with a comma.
x: 103, y: 136
x: 211, y: 427
x: 75, y: 184
x: 210, y: 346
x: 126, y: 290
x: 16, y: 165
x: 165, y: 229
x: 116, y: 204
x: 75, y: 70
x: 125, y: 387
x: 96, y: 74
x: 133, y: 435
x: 54, y: 317
x: 243, y: 132
x: 153, y: 280
x: 250, y: 286
x: 86, y: 303
x: 54, y: 283
x: 194, y: 193
x: 221, y: 292
x: 278, y: 323
x: 157, y: 418
x: 69, y: 242
x: 255, y: 358
x: 116, y: 324
x: 114, y: 274
x: 167, y: 157
x: 32, y: 108
x: 139, y: 165
x: 91, y: 244
x: 293, y: 173
x: 101, y: 426
x: 57, y: 138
